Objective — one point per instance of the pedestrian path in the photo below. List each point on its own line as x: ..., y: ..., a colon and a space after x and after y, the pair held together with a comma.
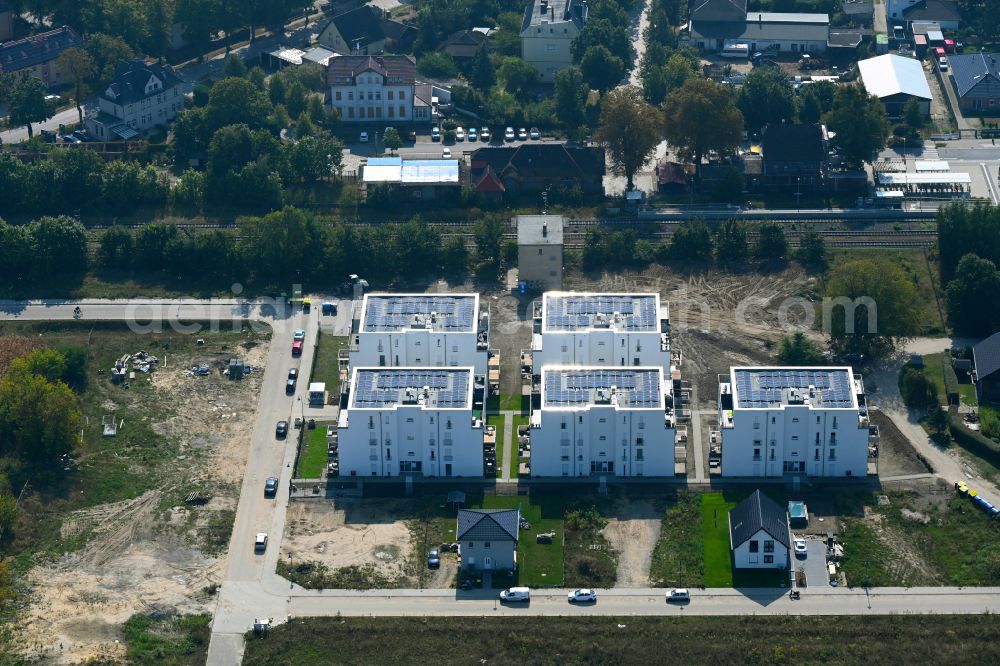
x: 508, y: 441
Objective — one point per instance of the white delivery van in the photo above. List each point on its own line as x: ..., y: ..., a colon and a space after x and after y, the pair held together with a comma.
x: 516, y: 594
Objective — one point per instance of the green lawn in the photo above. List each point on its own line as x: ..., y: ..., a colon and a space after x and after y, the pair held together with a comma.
x: 679, y: 555
x: 313, y: 456
x: 540, y: 565
x: 511, y: 402
x: 326, y: 367
x: 498, y: 421
x: 934, y: 371
x: 715, y: 535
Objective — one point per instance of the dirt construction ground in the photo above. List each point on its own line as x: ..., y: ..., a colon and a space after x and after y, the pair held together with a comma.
x: 156, y: 552
x: 633, y: 532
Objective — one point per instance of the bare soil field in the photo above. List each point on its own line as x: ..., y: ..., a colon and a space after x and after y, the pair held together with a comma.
x: 633, y: 532
x: 896, y: 454
x: 155, y: 552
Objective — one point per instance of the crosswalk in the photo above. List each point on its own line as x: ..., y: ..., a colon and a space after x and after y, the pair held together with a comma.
x: 929, y: 151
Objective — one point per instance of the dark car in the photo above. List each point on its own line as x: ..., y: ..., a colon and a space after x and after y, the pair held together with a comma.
x: 293, y: 373
x: 281, y: 430
x: 290, y: 386
x: 434, y: 558
x: 271, y: 486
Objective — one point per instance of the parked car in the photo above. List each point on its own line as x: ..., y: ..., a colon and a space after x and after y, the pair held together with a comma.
x: 472, y: 134
x: 508, y: 134
x: 83, y: 135
x: 522, y: 134
x: 69, y: 138
x: 534, y: 134
x: 800, y: 548
x: 435, y: 133
x: 271, y: 486
x: 363, y: 137
x: 413, y: 136
x: 434, y: 558
x: 446, y: 153
x: 943, y: 64
x: 260, y: 542
x: 298, y: 334
x: 484, y: 134
x: 281, y: 430
x: 516, y: 594
x: 459, y: 134
x: 678, y: 594
x: 297, y: 348
x: 577, y: 596
x: 290, y: 386
x: 293, y: 373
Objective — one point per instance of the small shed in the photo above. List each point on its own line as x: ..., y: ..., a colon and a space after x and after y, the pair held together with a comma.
x: 317, y: 394
x: 236, y: 368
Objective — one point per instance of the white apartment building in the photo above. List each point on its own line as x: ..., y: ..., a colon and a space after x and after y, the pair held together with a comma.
x: 793, y: 420
x: 421, y: 330
x: 369, y: 89
x: 547, y: 33
x: 140, y: 97
x: 540, y: 251
x: 415, y: 421
x: 601, y: 329
x: 593, y: 421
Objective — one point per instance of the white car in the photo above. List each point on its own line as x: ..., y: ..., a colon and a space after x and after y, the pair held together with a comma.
x: 522, y: 134
x: 363, y: 138
x: 446, y: 153
x: 516, y: 594
x: 577, y: 596
x: 459, y: 134
x: 800, y: 548
x: 484, y: 134
x: 260, y: 542
x: 508, y: 134
x: 435, y: 133
x: 678, y: 594
x: 943, y: 64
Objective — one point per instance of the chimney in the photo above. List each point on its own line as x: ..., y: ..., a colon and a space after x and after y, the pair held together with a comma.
x: 545, y: 229
x: 553, y: 13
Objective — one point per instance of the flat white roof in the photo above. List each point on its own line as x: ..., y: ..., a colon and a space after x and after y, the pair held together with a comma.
x: 890, y: 74
x: 568, y: 311
x: 317, y: 387
x: 773, y: 387
x: 957, y: 178
x: 925, y: 166
x: 429, y: 388
x: 576, y: 388
x: 455, y: 313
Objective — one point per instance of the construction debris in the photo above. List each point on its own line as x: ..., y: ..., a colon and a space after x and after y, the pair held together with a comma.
x: 129, y: 363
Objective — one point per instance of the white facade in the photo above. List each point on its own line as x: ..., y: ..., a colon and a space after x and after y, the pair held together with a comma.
x: 421, y: 330
x: 547, y: 33
x: 761, y: 551
x: 141, y: 96
x: 619, y: 424
x: 372, y: 98
x: 415, y: 421
x: 601, y: 329
x: 540, y: 251
x: 793, y: 420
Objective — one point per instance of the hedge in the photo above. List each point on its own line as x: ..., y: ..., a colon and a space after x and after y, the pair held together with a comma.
x: 950, y: 380
x: 974, y: 442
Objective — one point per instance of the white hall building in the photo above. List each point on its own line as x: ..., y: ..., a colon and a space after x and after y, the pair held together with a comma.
x: 421, y: 330
x: 600, y: 329
x: 599, y: 421
x: 777, y: 421
x: 410, y: 421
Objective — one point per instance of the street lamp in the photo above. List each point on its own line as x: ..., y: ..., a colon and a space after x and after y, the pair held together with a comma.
x: 798, y: 194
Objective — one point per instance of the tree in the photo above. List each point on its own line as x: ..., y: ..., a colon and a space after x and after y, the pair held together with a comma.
x: 234, y: 66
x: 437, y: 66
x: 809, y: 108
x: 812, y: 247
x: 295, y: 99
x: 571, y: 97
x: 484, y: 73
x: 392, y: 139
x: 280, y: 243
x: 26, y: 102
x: 880, y: 308
x: 116, y: 247
x: 17, y: 252
x: 860, y: 124
x: 691, y: 241
x: 158, y: 22
x: 257, y: 77
x: 701, y: 116
x: 815, y: 100
x: 78, y: 64
x: 731, y: 241
x: 765, y: 98
x: 518, y: 77
x: 602, y: 32
x: 771, y: 241
x: 937, y: 419
x: 602, y: 70
x: 276, y: 89
x: 488, y: 233
x: 60, y: 245
x: 798, y: 350
x: 913, y: 115
x: 200, y: 21
x: 233, y: 101
x: 107, y: 52
x: 454, y: 256
x: 974, y: 297
x: 629, y: 129
x: 916, y: 389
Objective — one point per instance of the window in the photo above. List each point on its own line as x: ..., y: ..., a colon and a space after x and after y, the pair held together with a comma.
x: 756, y: 454
x: 603, y: 438
x: 402, y: 95
x: 562, y: 426
x: 769, y: 559
x: 638, y: 441
x: 638, y: 454
x: 350, y: 95
x: 409, y: 419
x: 816, y: 455
x: 833, y: 454
x: 768, y: 546
x: 486, y: 544
x: 378, y: 94
x: 834, y: 422
x: 402, y: 111
x: 817, y: 438
x: 389, y: 96
x: 472, y: 544
x: 754, y: 546
x: 371, y: 423
x: 795, y: 419
x: 564, y: 458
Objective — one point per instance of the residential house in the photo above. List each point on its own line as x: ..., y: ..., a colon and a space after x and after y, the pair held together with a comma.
x: 533, y: 167
x: 671, y: 177
x: 141, y: 96
x: 759, y: 535
x: 488, y: 538
x: 462, y: 45
x: 540, y: 251
x: 38, y: 55
x: 943, y: 12
x: 411, y: 421
x: 399, y: 36
x: 356, y: 32
x: 977, y: 82
x: 6, y: 22
x: 793, y: 420
x: 986, y: 369
x: 373, y: 89
x: 421, y: 330
x: 547, y: 33
x: 860, y: 13
x: 895, y: 80
x: 794, y: 156
x: 716, y: 23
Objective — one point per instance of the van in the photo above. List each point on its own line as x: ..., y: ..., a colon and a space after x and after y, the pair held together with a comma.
x: 678, y: 594
x: 516, y: 594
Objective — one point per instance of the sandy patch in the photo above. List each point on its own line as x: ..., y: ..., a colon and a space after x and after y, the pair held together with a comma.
x: 633, y: 533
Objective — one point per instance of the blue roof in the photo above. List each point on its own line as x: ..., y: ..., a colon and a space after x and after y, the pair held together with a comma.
x: 971, y: 69
x: 634, y: 388
x: 429, y: 387
x: 770, y: 387
x: 439, y: 312
x: 574, y: 312
x: 385, y: 161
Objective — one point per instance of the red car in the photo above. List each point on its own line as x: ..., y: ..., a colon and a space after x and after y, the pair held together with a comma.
x: 297, y: 348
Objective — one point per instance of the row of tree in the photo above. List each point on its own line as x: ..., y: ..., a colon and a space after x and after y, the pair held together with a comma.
x: 969, y: 252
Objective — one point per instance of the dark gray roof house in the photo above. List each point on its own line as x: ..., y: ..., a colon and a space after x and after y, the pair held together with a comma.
x: 132, y: 82
x: 977, y: 80
x: 941, y: 11
x: 37, y: 49
x: 755, y: 513
x: 986, y: 359
x: 359, y: 30
x: 488, y: 524
x: 719, y: 10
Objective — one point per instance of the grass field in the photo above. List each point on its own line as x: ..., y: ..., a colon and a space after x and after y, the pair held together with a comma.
x: 688, y: 640
x: 313, y: 457
x: 173, y: 641
x: 679, y: 556
x: 715, y: 536
x: 511, y: 402
x: 326, y: 367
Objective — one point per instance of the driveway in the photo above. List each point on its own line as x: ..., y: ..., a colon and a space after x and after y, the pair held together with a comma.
x: 814, y: 564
